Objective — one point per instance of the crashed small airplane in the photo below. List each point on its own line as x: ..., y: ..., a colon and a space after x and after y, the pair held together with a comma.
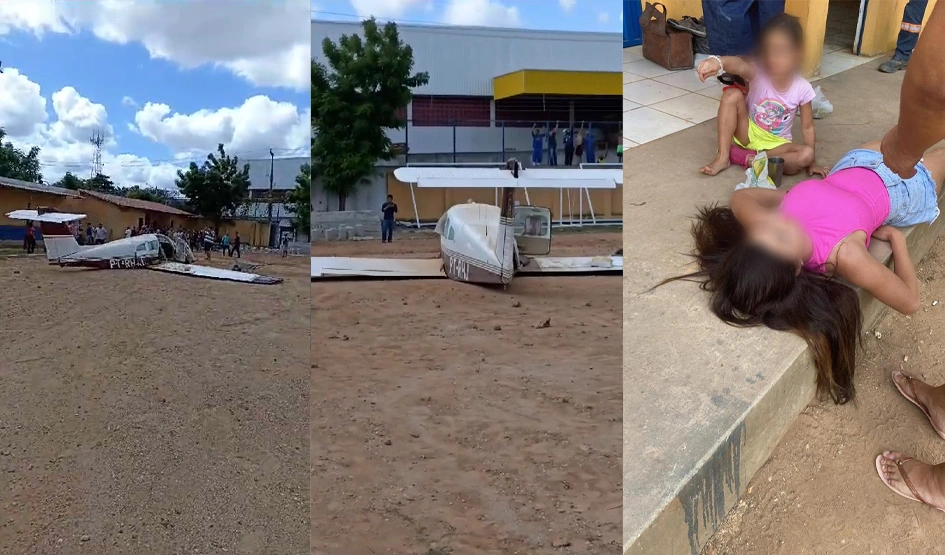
x: 151, y: 251
x: 483, y: 243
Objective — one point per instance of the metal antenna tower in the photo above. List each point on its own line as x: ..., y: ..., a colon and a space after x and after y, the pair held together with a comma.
x: 97, y: 141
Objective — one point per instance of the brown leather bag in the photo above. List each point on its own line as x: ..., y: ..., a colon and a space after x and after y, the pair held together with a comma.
x: 663, y: 45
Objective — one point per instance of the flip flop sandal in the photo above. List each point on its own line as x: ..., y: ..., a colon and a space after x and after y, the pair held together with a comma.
x: 905, y: 478
x: 914, y: 399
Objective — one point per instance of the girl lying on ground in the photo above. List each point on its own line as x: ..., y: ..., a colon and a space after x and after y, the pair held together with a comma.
x: 759, y: 117
x: 771, y: 258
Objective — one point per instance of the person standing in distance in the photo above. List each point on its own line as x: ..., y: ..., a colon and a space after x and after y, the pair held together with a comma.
x: 387, y: 223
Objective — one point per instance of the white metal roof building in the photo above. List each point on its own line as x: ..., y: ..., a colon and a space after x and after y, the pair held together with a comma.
x: 283, y: 172
x: 480, y: 77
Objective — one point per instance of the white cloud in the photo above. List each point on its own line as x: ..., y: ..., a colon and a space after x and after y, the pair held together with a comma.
x: 567, y: 5
x: 266, y: 43
x: 252, y: 128
x: 385, y: 9
x: 603, y: 17
x: 486, y: 13
x: 128, y: 101
x: 249, y: 130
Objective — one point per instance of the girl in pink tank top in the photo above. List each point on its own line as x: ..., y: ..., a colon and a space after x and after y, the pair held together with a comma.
x: 772, y: 257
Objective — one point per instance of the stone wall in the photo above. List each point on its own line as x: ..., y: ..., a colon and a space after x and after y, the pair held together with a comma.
x: 347, y: 225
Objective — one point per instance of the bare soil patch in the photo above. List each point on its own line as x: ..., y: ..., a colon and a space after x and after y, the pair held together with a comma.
x: 143, y: 412
x: 448, y: 418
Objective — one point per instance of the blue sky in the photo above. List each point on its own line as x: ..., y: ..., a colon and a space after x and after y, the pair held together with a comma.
x: 565, y: 15
x: 164, y: 93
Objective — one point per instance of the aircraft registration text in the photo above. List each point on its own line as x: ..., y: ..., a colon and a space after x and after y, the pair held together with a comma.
x: 459, y: 268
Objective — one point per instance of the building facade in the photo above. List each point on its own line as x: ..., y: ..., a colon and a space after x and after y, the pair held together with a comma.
x: 487, y: 88
x: 271, y: 179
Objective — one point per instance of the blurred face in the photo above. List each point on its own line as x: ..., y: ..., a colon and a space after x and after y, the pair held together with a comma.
x: 781, y: 57
x: 781, y: 237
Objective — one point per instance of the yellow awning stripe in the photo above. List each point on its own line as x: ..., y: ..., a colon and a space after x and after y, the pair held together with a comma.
x: 573, y: 83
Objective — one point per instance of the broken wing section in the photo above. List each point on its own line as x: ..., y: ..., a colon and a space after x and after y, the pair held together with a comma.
x: 572, y: 265
x: 214, y: 273
x: 339, y: 268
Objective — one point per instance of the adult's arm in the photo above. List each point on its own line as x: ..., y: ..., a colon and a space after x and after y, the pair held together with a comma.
x: 898, y: 290
x: 731, y: 64
x: 921, y: 101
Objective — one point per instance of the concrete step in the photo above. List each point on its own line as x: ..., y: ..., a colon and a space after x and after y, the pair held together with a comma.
x: 704, y: 403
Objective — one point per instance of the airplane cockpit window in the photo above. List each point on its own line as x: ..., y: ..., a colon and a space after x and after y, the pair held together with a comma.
x: 141, y: 247
x: 450, y: 233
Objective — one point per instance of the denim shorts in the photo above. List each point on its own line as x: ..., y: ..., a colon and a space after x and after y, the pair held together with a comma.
x: 911, y: 201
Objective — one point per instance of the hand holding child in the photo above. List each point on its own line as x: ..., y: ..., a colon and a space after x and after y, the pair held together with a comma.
x: 886, y: 233
x: 822, y: 171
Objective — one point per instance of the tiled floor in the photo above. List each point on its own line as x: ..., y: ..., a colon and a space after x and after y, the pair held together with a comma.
x: 658, y: 102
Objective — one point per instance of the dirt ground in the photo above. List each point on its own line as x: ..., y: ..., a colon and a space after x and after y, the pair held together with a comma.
x: 149, y: 413
x: 446, y: 419
x: 819, y: 492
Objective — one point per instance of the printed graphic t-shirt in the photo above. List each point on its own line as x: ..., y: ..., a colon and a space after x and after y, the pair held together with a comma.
x: 773, y: 110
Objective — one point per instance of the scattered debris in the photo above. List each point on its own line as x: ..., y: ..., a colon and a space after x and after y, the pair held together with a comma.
x: 497, y: 327
x: 878, y: 335
x: 560, y: 542
x: 545, y: 324
x: 516, y: 304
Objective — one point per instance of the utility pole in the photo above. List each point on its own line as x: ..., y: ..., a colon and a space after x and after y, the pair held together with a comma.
x: 272, y: 164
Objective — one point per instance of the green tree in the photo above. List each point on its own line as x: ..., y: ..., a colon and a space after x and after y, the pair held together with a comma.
x: 362, y: 92
x: 101, y: 183
x: 71, y: 181
x: 216, y: 188
x: 152, y: 194
x: 299, y: 200
x: 17, y: 164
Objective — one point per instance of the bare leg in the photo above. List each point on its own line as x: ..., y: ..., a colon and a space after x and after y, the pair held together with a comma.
x: 732, y: 122
x: 796, y: 157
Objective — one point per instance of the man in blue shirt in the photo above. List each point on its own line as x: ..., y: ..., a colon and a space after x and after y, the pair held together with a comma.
x: 387, y: 223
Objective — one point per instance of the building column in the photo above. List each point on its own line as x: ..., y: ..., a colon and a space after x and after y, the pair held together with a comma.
x: 570, y: 113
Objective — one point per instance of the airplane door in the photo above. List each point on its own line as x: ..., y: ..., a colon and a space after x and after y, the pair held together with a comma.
x: 533, y: 230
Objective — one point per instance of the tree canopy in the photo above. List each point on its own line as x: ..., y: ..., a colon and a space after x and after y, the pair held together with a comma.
x: 216, y: 188
x: 299, y: 200
x: 363, y: 91
x: 17, y: 164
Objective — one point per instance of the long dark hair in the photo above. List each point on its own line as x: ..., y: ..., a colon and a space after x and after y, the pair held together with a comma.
x: 751, y: 287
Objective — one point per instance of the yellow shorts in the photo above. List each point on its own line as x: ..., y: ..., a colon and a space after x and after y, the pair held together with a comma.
x: 759, y: 139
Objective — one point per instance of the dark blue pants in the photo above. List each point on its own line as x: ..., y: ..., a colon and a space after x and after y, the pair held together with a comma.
x: 387, y: 230
x: 552, y: 155
x: 912, y: 15
x: 733, y: 25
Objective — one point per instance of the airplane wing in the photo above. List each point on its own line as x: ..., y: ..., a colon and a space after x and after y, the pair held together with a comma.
x: 52, y: 217
x: 572, y: 265
x: 338, y: 267
x: 214, y: 273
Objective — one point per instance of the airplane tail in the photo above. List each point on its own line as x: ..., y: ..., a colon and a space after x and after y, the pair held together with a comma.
x: 57, y: 238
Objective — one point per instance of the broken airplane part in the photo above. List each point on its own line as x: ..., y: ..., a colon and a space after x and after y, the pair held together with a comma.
x: 152, y: 251
x: 482, y: 243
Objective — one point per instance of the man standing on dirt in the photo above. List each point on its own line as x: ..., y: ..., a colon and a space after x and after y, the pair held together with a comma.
x: 922, y: 119
x: 908, y: 36
x: 236, y: 245
x: 387, y: 222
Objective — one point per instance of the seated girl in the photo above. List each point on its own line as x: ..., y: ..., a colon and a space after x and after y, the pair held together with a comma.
x: 772, y: 257
x: 759, y: 117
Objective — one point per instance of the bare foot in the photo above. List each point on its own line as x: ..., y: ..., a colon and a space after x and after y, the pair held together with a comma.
x: 719, y: 164
x: 927, y: 480
x: 929, y: 399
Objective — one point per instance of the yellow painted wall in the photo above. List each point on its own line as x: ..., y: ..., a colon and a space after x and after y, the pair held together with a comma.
x: 18, y: 199
x: 881, y: 29
x: 113, y: 217
x: 252, y: 233
x: 432, y: 203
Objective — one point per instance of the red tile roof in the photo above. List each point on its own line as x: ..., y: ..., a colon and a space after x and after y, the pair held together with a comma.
x: 137, y: 204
